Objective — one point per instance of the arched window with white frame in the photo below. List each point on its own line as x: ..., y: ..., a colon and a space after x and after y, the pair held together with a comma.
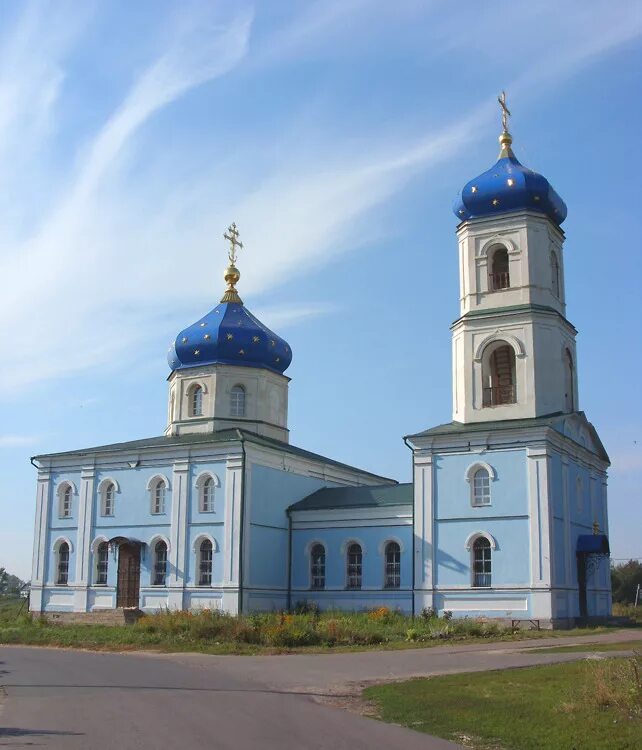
x: 102, y: 563
x: 160, y: 563
x: 481, y: 487
x: 317, y: 566
x: 392, y: 562
x: 354, y: 566
x: 482, y: 563
x: 62, y: 564
x: 237, y: 401
x: 208, y: 487
x: 107, y: 498
x: 65, y: 500
x: 158, y: 493
x: 195, y: 397
x: 499, y: 274
x: 498, y: 375
x: 569, y: 381
x: 205, y: 562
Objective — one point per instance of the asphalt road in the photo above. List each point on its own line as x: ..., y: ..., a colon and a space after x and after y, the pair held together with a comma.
x: 56, y: 698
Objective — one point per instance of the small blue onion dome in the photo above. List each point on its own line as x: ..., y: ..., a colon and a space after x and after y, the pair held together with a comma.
x: 508, y: 186
x: 229, y: 334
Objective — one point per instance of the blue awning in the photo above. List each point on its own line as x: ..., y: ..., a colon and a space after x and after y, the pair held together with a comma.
x: 593, y: 543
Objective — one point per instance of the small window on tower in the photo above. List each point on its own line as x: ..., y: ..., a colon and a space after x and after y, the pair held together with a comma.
x: 499, y: 275
x: 237, y: 401
x: 555, y: 275
x: 498, y: 374
x: 196, y: 401
x: 481, y: 487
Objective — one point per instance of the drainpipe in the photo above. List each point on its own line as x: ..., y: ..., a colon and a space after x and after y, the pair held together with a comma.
x: 32, y: 462
x: 412, y: 546
x: 242, y: 521
x: 289, y: 602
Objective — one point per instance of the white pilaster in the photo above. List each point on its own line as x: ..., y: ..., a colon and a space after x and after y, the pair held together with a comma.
x: 83, y: 538
x: 424, y: 525
x: 539, y: 516
x: 39, y: 560
x: 178, y: 534
x: 233, y: 488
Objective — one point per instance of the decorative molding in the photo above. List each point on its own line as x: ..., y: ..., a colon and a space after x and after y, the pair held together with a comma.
x: 498, y: 335
x: 152, y: 481
x: 472, y: 470
x: 478, y: 534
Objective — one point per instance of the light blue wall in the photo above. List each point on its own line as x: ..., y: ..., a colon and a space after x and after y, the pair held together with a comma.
x: 504, y: 519
x: 372, y: 539
x: 272, y: 491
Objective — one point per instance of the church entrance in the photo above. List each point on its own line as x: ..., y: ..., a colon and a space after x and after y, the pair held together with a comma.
x: 128, y: 591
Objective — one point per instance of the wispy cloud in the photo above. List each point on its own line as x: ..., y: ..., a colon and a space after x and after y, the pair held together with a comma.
x: 92, y: 278
x: 16, y: 441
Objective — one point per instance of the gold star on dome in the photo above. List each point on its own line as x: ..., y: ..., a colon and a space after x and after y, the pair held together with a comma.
x: 207, y: 337
x: 230, y: 336
x: 536, y: 197
x: 197, y: 352
x: 241, y: 351
x: 473, y: 189
x: 495, y: 202
x: 272, y: 342
x: 184, y: 340
x: 510, y: 182
x: 255, y: 339
x: 278, y: 359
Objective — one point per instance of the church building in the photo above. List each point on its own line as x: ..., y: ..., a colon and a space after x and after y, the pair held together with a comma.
x: 505, y: 517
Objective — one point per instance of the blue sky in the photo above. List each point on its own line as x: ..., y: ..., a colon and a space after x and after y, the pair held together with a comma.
x: 336, y: 134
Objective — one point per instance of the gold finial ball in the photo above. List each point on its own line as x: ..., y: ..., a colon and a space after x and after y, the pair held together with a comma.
x: 232, y: 275
x: 505, y: 139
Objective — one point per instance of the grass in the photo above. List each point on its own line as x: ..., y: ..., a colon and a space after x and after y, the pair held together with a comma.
x: 590, y: 647
x: 572, y: 706
x: 219, y: 633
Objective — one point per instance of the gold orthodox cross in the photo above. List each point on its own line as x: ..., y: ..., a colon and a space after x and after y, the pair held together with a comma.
x: 232, y: 236
x: 505, y: 111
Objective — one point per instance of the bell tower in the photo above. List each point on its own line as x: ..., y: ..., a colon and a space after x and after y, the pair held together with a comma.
x: 513, y: 350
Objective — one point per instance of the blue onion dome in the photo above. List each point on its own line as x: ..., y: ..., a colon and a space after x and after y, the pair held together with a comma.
x: 229, y: 334
x: 508, y: 186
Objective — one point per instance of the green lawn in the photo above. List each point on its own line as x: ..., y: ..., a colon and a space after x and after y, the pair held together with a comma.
x: 218, y: 633
x: 590, y: 648
x: 538, y: 708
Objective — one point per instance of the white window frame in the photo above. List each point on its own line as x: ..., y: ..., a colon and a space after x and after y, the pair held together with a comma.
x: 238, y: 401
x: 348, y: 564
x: 489, y: 561
x: 195, y: 396
x: 397, y: 572
x: 66, y: 491
x: 97, y: 565
x: 471, y: 473
x: 158, y: 486
x: 200, y: 491
x: 200, y: 561
x: 311, y: 567
x: 155, y: 559
x: 56, y: 547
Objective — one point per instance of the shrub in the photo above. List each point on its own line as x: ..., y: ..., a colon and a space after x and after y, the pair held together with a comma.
x: 428, y: 613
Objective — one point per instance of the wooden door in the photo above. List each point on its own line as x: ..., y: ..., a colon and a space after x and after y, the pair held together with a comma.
x: 128, y: 591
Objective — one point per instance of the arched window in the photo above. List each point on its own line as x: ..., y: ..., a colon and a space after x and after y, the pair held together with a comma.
x: 237, y: 401
x: 317, y: 567
x: 158, y: 491
x: 207, y: 495
x: 392, y: 573
x: 160, y: 563
x: 498, y: 375
x: 65, y: 500
x: 354, y: 566
x: 555, y: 275
x: 499, y: 275
x: 108, y: 499
x: 569, y: 382
x: 481, y: 562
x: 481, y: 487
x: 62, y: 567
x: 102, y: 564
x: 196, y: 401
x: 205, y: 563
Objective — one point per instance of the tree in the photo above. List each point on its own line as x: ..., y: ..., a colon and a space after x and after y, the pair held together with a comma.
x: 9, y: 585
x: 625, y: 579
x: 4, y: 581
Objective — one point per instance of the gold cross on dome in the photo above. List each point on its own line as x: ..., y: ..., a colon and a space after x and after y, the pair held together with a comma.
x: 232, y: 236
x: 505, y: 111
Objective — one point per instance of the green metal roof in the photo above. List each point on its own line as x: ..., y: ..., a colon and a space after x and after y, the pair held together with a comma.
x: 214, y: 438
x: 555, y: 421
x: 356, y: 497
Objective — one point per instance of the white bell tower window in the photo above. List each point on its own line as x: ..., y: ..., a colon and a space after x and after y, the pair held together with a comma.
x: 498, y: 374
x: 237, y: 401
x: 499, y: 274
x: 481, y: 487
x: 555, y: 275
x: 195, y: 398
